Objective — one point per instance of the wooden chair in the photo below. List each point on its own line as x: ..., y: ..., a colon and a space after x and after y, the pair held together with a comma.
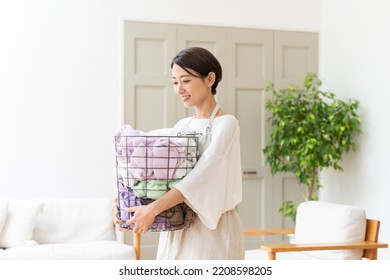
x: 369, y: 245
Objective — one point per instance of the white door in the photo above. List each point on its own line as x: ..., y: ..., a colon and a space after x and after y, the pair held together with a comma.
x: 295, y: 54
x: 148, y: 99
x: 250, y: 68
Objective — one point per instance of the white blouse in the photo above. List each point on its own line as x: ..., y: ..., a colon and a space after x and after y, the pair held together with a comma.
x: 212, y: 189
x: 214, y: 186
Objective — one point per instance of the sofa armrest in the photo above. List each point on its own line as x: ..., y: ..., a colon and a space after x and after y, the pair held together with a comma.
x: 272, y: 249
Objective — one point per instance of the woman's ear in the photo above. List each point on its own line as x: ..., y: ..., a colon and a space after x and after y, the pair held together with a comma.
x: 210, y: 79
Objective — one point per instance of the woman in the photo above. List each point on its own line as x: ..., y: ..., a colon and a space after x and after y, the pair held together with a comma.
x: 213, y: 188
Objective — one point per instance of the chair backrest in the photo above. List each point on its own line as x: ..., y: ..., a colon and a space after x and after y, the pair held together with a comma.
x: 372, y: 233
x: 323, y: 222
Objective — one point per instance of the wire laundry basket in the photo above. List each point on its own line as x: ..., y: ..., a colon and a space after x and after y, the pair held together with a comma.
x: 148, y: 166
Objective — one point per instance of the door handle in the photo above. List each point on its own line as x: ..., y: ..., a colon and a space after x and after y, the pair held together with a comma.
x: 250, y: 172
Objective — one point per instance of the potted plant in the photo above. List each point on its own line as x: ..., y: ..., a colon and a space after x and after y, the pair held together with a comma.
x: 312, y: 130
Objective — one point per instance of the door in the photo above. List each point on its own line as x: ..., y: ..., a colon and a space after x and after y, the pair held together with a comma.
x: 148, y: 50
x: 250, y: 68
x: 295, y: 54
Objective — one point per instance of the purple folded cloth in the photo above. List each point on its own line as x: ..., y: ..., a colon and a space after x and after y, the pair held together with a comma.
x: 177, y: 217
x: 167, y: 156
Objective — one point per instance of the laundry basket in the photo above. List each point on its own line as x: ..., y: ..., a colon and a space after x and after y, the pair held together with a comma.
x: 148, y: 166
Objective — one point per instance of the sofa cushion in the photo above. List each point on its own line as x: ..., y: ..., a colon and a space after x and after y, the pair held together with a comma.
x: 3, y: 212
x: 74, y: 220
x: 322, y: 222
x: 19, y: 225
x: 95, y: 250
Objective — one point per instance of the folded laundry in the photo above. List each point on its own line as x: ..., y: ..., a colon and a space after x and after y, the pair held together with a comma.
x: 141, y: 163
x: 166, y: 157
x: 151, y: 156
x: 153, y: 188
x: 177, y: 217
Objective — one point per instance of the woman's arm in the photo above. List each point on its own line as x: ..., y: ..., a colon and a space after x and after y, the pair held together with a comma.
x: 144, y: 215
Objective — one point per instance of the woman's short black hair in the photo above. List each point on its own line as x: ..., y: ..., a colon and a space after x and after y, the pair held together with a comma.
x: 201, y: 61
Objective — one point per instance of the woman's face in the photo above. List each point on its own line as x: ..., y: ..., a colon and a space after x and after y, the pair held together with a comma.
x: 192, y: 90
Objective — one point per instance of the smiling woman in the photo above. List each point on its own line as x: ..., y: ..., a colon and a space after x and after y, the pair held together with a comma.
x: 191, y: 89
x: 214, y: 186
x: 193, y: 86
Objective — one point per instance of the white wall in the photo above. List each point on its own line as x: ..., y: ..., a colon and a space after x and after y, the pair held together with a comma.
x: 355, y: 60
x: 61, y: 82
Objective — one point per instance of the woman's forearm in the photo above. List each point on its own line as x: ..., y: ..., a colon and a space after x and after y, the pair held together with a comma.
x: 168, y: 200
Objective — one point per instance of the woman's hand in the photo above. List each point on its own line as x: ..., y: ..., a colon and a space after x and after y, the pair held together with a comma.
x: 114, y: 213
x: 142, y: 218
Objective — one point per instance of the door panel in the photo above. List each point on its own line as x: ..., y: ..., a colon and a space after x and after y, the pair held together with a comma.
x: 250, y: 68
x: 296, y: 53
x: 149, y: 48
x: 149, y: 99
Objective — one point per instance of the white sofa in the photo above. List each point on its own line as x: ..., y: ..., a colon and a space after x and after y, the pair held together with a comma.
x: 47, y: 229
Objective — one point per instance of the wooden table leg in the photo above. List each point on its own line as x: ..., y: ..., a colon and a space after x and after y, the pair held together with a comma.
x: 271, y: 256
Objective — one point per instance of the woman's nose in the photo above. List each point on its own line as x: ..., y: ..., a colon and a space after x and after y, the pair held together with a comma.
x: 180, y: 89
